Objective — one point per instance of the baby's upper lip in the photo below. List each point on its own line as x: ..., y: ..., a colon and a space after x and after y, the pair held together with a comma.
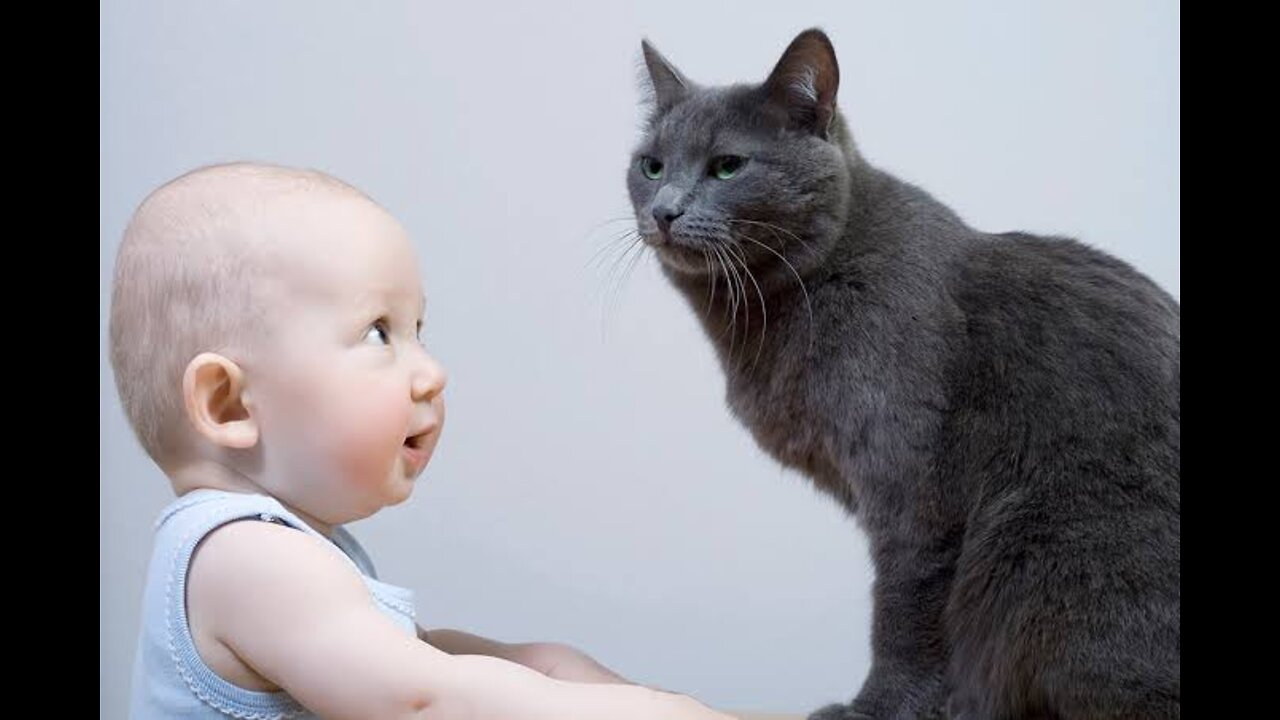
x: 415, y: 436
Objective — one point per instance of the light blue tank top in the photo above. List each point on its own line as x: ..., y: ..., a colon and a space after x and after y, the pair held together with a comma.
x: 169, y: 678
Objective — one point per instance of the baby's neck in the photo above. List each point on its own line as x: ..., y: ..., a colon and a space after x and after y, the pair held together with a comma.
x: 210, y: 475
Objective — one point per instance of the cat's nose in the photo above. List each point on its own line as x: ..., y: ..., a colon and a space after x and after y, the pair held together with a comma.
x: 665, y: 215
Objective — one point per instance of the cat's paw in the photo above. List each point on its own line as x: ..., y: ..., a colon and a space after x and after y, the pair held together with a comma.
x: 838, y: 712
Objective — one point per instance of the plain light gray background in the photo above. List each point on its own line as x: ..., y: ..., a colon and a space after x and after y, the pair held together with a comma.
x: 590, y: 486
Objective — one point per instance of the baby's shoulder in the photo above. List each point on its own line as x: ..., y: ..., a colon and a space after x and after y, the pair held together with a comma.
x: 247, y: 577
x: 263, y: 554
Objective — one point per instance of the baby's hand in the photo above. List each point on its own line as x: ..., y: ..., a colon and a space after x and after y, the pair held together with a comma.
x: 564, y: 662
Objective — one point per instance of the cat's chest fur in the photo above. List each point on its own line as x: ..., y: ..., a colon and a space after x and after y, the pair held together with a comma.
x: 838, y: 397
x: 790, y: 413
x: 844, y: 384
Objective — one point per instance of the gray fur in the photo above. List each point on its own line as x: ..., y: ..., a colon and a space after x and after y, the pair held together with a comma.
x: 1000, y: 412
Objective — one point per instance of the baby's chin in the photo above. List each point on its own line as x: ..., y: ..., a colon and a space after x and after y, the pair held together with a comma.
x: 399, y: 498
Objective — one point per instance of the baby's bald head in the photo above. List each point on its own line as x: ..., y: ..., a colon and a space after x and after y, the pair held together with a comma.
x: 190, y: 278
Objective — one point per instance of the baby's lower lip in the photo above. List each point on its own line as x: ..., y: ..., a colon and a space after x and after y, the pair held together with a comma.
x: 415, y: 457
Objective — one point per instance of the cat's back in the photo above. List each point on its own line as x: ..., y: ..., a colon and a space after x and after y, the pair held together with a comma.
x: 1064, y: 288
x: 1045, y: 315
x: 1068, y: 368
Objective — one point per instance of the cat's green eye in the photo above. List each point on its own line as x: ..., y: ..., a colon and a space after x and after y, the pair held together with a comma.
x: 726, y: 166
x: 651, y: 167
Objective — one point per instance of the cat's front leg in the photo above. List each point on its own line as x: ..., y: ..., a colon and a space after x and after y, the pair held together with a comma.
x: 909, y: 649
x: 838, y: 712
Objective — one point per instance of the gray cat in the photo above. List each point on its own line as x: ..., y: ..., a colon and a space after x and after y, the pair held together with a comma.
x: 999, y: 412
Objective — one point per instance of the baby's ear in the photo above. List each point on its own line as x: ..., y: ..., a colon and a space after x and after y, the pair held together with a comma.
x: 213, y: 392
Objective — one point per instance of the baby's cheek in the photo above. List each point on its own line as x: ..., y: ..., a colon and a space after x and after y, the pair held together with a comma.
x: 373, y: 432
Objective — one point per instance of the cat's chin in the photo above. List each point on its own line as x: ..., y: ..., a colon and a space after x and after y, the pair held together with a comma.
x: 682, y: 260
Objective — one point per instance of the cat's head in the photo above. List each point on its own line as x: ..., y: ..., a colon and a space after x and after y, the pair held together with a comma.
x: 744, y: 173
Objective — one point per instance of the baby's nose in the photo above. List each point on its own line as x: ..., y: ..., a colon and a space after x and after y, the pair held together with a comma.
x: 429, y: 378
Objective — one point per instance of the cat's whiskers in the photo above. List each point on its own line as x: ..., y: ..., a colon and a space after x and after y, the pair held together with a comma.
x: 735, y: 249
x: 612, y: 243
x: 803, y: 289
x: 728, y: 282
x: 775, y: 229
x: 636, y: 257
x: 613, y: 279
x: 742, y: 294
x: 711, y: 282
x: 738, y: 295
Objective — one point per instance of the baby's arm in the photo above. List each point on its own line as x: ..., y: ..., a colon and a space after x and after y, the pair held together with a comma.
x: 291, y: 609
x: 556, y: 660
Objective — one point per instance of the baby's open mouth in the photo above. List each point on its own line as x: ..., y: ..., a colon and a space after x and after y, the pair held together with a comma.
x: 416, y: 450
x: 420, y: 440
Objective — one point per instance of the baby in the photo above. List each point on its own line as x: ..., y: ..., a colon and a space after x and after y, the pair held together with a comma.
x: 265, y: 339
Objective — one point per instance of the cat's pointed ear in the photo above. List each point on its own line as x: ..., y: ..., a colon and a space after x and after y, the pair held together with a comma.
x: 804, y: 82
x: 668, y: 85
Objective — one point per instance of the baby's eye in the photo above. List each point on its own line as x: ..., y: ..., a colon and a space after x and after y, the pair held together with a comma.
x: 377, y: 334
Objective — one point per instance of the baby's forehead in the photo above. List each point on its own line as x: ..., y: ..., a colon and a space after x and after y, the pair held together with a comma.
x: 278, y: 221
x: 326, y: 224
x: 346, y: 245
